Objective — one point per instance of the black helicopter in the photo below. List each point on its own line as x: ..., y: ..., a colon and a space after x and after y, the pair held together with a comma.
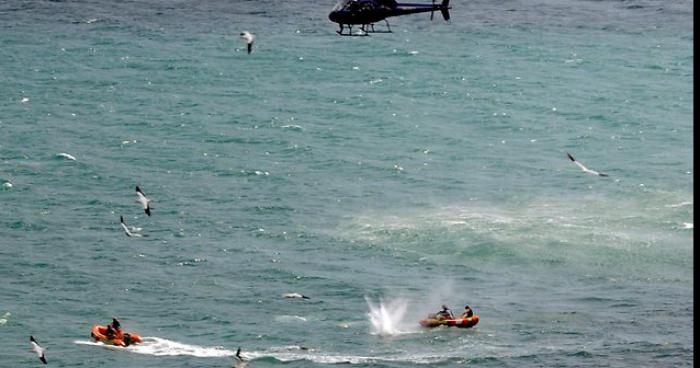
x: 367, y: 12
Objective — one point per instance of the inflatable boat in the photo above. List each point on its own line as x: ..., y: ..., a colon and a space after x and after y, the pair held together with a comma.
x: 462, y: 322
x: 99, y: 333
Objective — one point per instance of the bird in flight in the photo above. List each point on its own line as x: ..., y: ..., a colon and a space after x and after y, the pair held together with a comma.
x: 130, y: 232
x: 584, y: 168
x: 249, y: 38
x: 143, y: 200
x: 37, y: 349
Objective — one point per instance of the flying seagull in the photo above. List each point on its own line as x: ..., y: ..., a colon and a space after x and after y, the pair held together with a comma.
x: 130, y: 232
x: 239, y: 362
x: 295, y: 295
x: 584, y: 168
x: 145, y: 202
x: 37, y: 349
x: 249, y: 38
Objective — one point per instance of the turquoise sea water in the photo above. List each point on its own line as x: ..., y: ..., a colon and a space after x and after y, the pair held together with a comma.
x: 381, y: 176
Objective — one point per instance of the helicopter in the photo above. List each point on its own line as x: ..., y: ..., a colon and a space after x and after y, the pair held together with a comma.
x: 367, y: 12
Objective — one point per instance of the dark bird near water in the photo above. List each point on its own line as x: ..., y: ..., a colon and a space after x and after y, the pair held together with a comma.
x: 239, y: 362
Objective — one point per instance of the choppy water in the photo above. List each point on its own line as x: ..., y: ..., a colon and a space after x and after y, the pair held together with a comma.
x: 381, y: 176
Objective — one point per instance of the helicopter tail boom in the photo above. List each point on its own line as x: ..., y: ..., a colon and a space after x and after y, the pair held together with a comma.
x: 444, y: 9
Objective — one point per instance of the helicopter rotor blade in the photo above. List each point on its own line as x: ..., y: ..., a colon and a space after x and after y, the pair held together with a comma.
x: 432, y: 13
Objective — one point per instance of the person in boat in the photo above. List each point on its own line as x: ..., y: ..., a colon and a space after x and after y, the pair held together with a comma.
x: 444, y: 313
x: 117, y: 328
x: 110, y: 332
x: 468, y: 312
x: 114, y: 331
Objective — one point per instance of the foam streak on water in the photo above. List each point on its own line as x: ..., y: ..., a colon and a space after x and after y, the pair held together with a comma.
x: 157, y: 346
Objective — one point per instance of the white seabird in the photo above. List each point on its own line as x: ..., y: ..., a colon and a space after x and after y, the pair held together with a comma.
x: 238, y: 360
x: 143, y: 200
x: 295, y: 295
x: 37, y: 349
x: 249, y: 38
x: 584, y: 168
x: 130, y: 232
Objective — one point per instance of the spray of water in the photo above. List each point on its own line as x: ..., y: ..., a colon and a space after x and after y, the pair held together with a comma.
x: 388, y: 318
x: 400, y: 315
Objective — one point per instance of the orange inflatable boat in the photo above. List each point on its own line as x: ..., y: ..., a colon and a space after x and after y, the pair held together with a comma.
x: 99, y: 333
x: 462, y: 322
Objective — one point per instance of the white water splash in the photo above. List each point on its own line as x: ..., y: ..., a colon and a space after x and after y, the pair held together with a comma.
x: 387, y: 318
x: 164, y: 347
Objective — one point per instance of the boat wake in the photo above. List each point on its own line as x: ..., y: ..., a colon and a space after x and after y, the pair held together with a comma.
x: 164, y: 347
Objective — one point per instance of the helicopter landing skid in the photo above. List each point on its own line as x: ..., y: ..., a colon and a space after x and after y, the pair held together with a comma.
x: 362, y: 30
x: 387, y: 30
x: 365, y: 30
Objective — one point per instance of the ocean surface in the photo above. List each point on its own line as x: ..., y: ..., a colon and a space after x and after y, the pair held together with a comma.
x: 380, y: 176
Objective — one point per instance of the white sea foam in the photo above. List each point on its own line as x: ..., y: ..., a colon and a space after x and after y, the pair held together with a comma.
x: 330, y: 358
x: 682, y: 204
x: 163, y: 347
x: 288, y: 318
